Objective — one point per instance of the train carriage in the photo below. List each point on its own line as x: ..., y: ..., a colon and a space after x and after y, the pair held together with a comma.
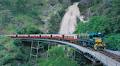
x: 34, y: 36
x: 45, y: 36
x: 57, y: 36
x: 70, y: 37
x: 93, y: 40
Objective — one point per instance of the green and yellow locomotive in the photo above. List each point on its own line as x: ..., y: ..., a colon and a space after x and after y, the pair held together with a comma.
x: 92, y: 40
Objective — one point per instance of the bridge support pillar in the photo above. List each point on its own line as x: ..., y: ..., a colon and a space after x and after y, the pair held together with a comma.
x: 50, y: 45
x: 73, y: 55
x: 70, y: 52
x: 35, y: 52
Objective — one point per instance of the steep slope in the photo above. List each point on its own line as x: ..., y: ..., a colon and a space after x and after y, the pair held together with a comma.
x: 104, y: 17
x: 25, y: 16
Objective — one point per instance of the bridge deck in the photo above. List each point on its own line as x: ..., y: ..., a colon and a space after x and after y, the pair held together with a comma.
x: 114, y: 52
x: 101, y: 57
x: 107, y: 61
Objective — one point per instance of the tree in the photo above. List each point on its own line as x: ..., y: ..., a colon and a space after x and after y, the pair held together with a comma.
x: 113, y: 42
x: 95, y: 24
x: 8, y: 51
x: 57, y: 57
x: 29, y: 30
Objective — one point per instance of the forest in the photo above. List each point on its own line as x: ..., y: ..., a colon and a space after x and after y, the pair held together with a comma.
x: 44, y: 17
x: 104, y: 17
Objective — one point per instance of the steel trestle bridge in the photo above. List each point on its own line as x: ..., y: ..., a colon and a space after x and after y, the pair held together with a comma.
x: 88, y: 53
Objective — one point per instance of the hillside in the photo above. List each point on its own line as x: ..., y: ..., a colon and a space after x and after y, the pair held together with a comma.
x: 28, y: 16
x: 44, y: 17
x: 102, y: 16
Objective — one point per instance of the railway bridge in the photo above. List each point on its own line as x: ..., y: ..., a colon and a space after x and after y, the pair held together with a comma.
x: 107, y: 59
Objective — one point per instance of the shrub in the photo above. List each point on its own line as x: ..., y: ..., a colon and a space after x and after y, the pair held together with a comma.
x: 113, y: 42
x: 57, y: 57
x: 95, y: 24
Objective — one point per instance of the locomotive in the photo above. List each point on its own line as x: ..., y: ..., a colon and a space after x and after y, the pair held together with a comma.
x: 92, y: 40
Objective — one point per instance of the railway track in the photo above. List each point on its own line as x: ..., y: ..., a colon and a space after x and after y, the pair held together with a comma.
x: 111, y: 55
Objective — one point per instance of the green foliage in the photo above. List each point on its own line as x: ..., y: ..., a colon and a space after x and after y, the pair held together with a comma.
x: 115, y: 10
x: 8, y: 50
x: 22, y: 24
x: 5, y: 17
x: 12, y: 54
x: 113, y: 41
x: 21, y: 6
x: 81, y: 27
x: 26, y: 25
x: 95, y: 24
x: 28, y: 30
x: 105, y: 18
x: 18, y: 15
x: 54, y: 52
x: 57, y: 57
x: 54, y: 21
x: 105, y: 25
x: 26, y: 17
x: 95, y: 2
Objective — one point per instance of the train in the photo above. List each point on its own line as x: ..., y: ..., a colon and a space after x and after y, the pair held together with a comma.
x: 91, y: 40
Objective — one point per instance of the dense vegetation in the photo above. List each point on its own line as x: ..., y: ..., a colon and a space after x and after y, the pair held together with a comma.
x: 44, y: 16
x: 104, y: 16
x: 22, y: 16
x: 57, y: 57
x: 10, y: 53
x: 26, y: 17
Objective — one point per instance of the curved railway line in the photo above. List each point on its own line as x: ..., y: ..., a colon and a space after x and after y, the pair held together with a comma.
x: 105, y: 57
x: 111, y: 55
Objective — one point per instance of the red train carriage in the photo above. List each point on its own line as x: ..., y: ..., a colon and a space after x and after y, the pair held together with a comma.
x: 18, y: 36
x: 70, y: 37
x: 22, y: 36
x: 12, y: 36
x: 45, y: 36
x: 34, y: 36
x: 57, y: 36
